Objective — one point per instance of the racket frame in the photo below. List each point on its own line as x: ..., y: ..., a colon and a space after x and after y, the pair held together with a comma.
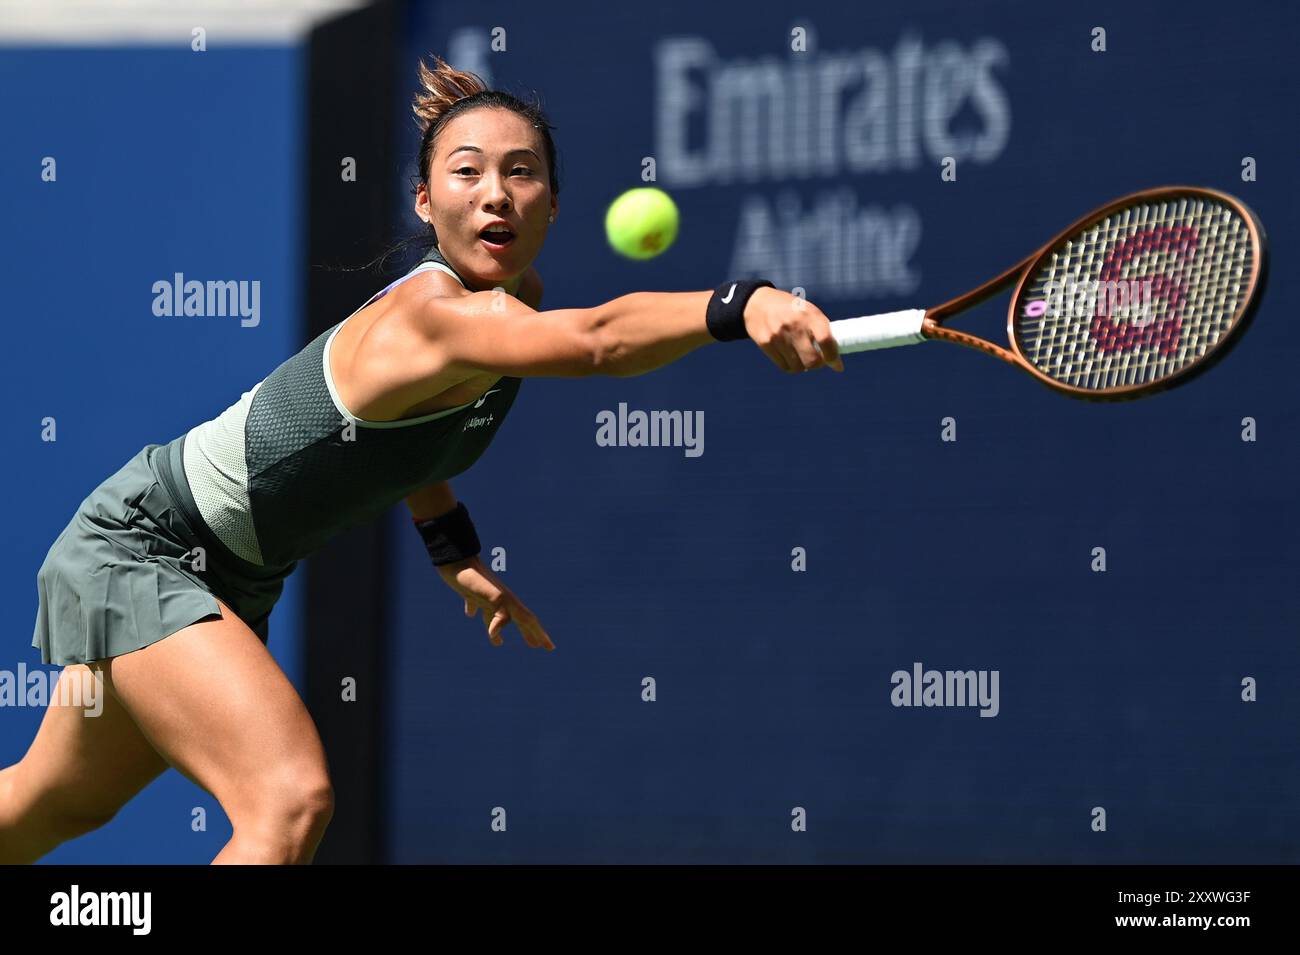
x: 932, y: 326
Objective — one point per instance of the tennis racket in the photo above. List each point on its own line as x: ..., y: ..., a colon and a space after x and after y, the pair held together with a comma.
x: 1140, y: 295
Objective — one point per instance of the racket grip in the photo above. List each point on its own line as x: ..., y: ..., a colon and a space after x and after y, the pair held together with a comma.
x: 888, y: 330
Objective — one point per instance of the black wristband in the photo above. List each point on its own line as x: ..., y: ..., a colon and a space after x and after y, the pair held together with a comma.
x: 726, y: 313
x: 449, y: 537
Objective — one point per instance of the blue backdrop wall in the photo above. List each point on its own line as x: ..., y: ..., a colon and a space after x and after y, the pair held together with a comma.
x: 772, y: 685
x: 166, y: 161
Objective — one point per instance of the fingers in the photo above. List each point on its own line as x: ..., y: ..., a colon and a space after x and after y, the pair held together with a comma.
x: 482, y: 591
x: 530, y: 626
x: 505, y: 608
x: 490, y: 620
x: 797, y: 337
x: 814, y: 341
x: 808, y: 355
x: 496, y: 624
x: 780, y: 355
x: 494, y: 616
x: 799, y: 352
x: 827, y: 345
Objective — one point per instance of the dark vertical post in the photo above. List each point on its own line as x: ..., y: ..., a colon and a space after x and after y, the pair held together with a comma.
x: 350, y: 110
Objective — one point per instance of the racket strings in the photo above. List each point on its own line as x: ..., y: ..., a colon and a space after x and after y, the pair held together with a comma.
x: 1137, y: 296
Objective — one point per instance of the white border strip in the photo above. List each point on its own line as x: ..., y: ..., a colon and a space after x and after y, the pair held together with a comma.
x: 162, y: 22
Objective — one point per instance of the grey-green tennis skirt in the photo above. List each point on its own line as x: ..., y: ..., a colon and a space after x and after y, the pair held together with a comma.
x: 125, y: 573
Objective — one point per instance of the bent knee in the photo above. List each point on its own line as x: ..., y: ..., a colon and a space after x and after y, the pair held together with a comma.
x: 287, y: 818
x: 296, y: 799
x: 316, y: 800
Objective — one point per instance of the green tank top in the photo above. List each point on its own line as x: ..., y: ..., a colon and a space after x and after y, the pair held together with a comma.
x: 287, y: 466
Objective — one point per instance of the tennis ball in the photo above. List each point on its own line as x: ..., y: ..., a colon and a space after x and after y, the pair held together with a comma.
x: 641, y: 223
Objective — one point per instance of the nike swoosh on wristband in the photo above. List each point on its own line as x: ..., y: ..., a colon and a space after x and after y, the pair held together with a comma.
x: 479, y: 403
x: 730, y: 292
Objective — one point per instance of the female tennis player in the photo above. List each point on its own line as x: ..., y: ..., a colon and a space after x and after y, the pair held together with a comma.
x: 162, y: 584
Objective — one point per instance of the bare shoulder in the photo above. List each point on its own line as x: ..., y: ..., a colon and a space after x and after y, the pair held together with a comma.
x: 439, y: 335
x: 426, y: 297
x: 383, y: 360
x: 417, y: 291
x: 422, y: 307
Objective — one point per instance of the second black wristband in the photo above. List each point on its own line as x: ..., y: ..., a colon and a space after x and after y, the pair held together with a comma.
x: 450, y: 537
x: 725, y: 316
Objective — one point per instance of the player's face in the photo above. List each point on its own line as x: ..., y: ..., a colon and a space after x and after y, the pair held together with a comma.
x: 489, y: 168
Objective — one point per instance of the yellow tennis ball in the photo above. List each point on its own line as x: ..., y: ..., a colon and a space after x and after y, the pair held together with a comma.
x: 641, y: 223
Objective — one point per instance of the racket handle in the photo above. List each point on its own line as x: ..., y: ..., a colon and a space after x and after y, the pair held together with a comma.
x: 888, y: 330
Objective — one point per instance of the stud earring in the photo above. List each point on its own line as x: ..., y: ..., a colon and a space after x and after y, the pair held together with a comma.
x: 550, y: 218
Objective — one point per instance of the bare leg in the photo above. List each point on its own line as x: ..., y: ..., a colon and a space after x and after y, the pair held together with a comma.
x: 78, y: 772
x: 212, y: 700
x: 208, y: 700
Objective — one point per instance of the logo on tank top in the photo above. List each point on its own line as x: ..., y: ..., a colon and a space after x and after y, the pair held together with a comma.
x: 480, y: 421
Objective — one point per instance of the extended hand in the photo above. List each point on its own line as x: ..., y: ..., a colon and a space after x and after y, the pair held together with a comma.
x: 483, y: 591
x: 792, y: 331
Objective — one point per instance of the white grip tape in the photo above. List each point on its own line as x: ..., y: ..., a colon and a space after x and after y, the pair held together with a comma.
x: 879, y: 331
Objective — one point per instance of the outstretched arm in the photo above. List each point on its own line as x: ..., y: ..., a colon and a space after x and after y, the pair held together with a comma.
x: 630, y: 335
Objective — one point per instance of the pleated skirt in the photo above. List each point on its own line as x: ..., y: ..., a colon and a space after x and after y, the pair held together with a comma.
x: 129, y: 570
